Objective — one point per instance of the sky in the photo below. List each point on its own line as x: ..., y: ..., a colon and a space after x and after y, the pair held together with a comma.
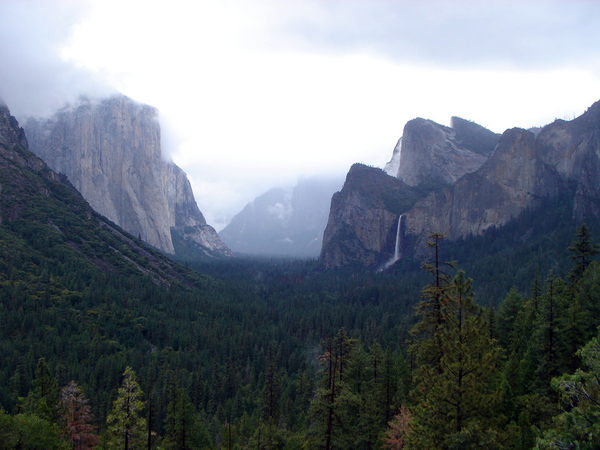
x: 253, y: 94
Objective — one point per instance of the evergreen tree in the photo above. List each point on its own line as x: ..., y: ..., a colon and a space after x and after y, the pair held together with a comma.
x: 78, y: 418
x: 588, y: 298
x: 460, y: 393
x: 126, y: 427
x: 548, y: 331
x: 398, y: 431
x: 182, y: 423
x: 44, y: 396
x: 334, y: 407
x: 508, y: 314
x: 271, y: 391
x: 578, y: 427
x: 582, y: 251
x: 427, y: 330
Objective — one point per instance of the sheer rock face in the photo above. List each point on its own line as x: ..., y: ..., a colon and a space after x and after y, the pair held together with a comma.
x: 511, y: 180
x: 573, y: 149
x: 364, y: 215
x: 360, y: 225
x: 469, y: 194
x: 433, y: 153
x: 111, y: 152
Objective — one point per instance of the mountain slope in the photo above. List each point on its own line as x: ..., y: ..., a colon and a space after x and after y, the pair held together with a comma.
x: 284, y: 221
x: 111, y: 152
x: 49, y: 227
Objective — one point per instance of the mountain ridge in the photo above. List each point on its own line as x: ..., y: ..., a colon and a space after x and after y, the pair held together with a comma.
x: 523, y: 168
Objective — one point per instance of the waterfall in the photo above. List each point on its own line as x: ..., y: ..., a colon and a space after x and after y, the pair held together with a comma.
x: 399, y: 236
x: 398, y: 245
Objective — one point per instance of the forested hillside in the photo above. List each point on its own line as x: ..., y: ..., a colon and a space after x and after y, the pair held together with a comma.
x: 278, y: 354
x: 106, y: 343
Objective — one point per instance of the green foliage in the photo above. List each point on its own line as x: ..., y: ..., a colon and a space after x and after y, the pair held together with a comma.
x: 126, y: 427
x: 404, y: 196
x: 29, y: 432
x: 184, y: 427
x: 458, y: 392
x: 474, y: 136
x: 582, y: 252
x: 229, y: 350
x: 578, y: 427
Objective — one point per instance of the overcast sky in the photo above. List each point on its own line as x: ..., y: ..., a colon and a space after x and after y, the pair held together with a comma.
x: 254, y: 93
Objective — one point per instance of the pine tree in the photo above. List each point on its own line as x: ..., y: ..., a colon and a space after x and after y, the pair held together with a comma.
x: 426, y: 331
x: 458, y: 392
x: 44, y: 396
x: 551, y: 308
x: 398, y: 431
x: 126, y: 427
x: 510, y: 309
x: 78, y: 418
x: 181, y: 422
x: 270, y: 392
x: 578, y: 427
x: 582, y: 251
x: 333, y: 409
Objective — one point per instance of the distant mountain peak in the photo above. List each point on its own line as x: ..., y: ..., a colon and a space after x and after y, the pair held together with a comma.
x: 284, y: 221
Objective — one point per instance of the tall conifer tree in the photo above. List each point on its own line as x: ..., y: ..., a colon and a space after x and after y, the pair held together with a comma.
x: 582, y: 251
x: 457, y: 394
x: 126, y: 426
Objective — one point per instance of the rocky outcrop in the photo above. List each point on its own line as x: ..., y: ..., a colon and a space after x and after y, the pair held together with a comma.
x: 512, y: 179
x: 362, y: 220
x: 364, y: 216
x: 44, y: 220
x: 284, y: 221
x: 573, y: 149
x: 433, y: 153
x: 111, y: 152
x: 10, y: 132
x: 523, y: 169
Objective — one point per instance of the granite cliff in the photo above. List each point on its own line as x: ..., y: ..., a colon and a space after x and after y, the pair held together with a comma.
x: 111, y: 151
x: 45, y: 221
x: 361, y: 220
x: 461, y: 181
x: 432, y: 153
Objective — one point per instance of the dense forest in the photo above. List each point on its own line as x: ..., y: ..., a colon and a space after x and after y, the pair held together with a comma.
x: 279, y: 354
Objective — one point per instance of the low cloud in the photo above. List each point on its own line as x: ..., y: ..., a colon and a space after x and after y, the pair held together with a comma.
x: 34, y: 79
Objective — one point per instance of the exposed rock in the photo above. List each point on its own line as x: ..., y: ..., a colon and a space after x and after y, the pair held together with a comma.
x: 111, y: 152
x: 361, y: 222
x: 511, y: 180
x: 433, y: 153
x: 472, y: 194
x: 573, y: 149
x: 10, y: 132
x: 49, y: 220
x: 392, y: 166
